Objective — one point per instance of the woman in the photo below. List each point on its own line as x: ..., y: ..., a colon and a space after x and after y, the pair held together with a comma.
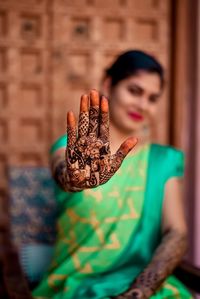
x: 119, y: 234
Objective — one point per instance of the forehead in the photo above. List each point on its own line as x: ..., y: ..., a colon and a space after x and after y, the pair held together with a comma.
x: 149, y: 82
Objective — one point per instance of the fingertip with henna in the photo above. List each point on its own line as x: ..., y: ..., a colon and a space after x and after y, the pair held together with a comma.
x: 94, y: 97
x: 84, y: 103
x: 71, y: 120
x: 129, y: 144
x: 104, y: 104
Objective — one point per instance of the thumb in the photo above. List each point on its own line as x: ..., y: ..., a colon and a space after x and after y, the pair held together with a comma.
x: 121, y: 153
x: 127, y: 146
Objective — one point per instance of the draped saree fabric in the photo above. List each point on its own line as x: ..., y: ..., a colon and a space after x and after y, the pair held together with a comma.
x: 107, y: 235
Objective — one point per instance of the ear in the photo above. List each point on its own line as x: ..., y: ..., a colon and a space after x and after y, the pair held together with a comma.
x: 106, y: 87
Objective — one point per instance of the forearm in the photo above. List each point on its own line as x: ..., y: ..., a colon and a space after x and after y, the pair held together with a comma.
x: 166, y: 258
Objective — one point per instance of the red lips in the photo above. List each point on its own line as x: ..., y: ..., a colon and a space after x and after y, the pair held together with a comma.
x: 136, y: 116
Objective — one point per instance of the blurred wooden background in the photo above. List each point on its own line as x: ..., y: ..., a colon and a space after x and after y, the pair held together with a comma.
x: 51, y: 51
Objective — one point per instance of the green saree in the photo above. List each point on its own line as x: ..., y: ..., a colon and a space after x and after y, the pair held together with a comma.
x: 107, y: 235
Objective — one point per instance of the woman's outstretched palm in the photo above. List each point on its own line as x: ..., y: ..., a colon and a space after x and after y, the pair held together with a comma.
x: 88, y: 157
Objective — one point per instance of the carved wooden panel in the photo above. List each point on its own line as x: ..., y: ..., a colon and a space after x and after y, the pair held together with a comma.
x: 53, y: 51
x: 88, y: 35
x: 25, y: 125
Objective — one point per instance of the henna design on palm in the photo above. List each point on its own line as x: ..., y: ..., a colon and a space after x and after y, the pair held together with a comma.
x: 89, y: 162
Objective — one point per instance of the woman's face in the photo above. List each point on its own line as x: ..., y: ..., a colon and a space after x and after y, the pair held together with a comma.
x: 133, y: 101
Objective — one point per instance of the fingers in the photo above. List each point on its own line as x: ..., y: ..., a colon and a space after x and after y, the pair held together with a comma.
x: 94, y: 112
x: 121, y: 153
x: 90, y: 124
x: 71, y: 128
x: 83, y: 123
x: 104, y: 120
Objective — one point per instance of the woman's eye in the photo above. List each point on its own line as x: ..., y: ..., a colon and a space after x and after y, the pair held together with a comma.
x: 153, y: 99
x: 134, y: 91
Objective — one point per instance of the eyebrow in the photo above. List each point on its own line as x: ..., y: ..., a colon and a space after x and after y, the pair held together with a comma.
x: 136, y: 86
x: 141, y: 89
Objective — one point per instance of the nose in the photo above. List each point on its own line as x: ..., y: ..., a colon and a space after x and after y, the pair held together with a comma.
x: 143, y: 103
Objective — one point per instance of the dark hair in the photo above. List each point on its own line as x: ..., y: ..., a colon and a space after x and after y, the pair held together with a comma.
x: 131, y: 62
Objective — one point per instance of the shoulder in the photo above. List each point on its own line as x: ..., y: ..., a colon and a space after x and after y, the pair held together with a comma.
x: 167, y: 153
x: 170, y: 158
